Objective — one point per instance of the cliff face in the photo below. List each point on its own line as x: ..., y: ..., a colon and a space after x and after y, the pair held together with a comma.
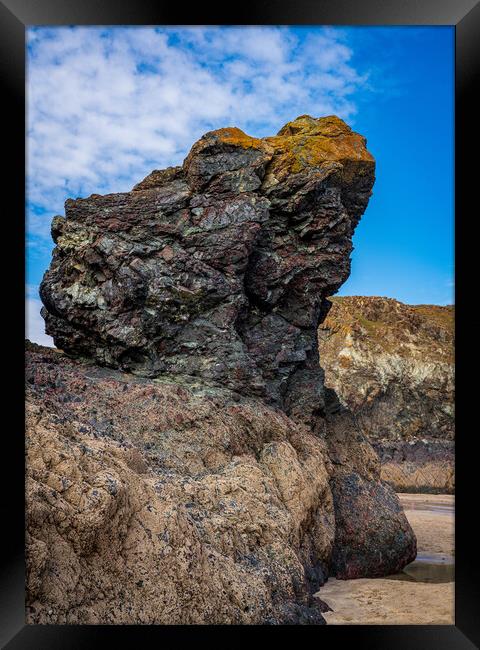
x: 392, y: 365
x: 183, y: 452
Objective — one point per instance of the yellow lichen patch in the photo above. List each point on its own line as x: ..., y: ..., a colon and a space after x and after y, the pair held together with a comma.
x: 300, y: 152
x: 326, y: 143
x: 74, y: 239
x: 236, y: 137
x: 230, y: 136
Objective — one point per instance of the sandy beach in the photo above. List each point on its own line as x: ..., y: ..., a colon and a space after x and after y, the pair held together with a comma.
x: 407, y: 598
x: 432, y: 518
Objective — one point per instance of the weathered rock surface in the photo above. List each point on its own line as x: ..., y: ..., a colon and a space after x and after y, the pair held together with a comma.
x: 218, y: 269
x: 149, y: 502
x: 392, y: 365
x: 153, y: 502
x: 185, y: 463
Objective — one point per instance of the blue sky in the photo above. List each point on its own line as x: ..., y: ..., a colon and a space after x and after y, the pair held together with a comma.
x: 105, y: 106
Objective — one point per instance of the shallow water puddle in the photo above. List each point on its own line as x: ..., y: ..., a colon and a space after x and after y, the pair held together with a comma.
x: 431, y: 568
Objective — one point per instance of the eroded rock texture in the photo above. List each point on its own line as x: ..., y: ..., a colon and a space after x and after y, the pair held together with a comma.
x: 215, y: 485
x: 218, y: 269
x: 151, y: 503
x: 392, y: 365
x: 154, y: 502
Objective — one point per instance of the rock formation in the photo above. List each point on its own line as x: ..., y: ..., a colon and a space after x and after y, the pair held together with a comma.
x: 183, y: 452
x: 392, y: 365
x: 218, y: 269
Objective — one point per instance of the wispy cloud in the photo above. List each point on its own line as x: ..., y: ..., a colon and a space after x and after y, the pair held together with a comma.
x: 108, y: 105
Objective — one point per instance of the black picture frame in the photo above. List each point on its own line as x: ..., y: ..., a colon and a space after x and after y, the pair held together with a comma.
x: 15, y: 15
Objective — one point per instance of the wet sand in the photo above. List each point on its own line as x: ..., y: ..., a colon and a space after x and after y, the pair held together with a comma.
x: 432, y: 518
x: 423, y: 594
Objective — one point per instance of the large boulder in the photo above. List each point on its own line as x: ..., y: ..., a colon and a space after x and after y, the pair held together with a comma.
x: 151, y: 502
x: 372, y: 535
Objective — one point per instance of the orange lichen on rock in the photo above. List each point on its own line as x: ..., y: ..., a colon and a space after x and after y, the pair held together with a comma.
x: 304, y: 143
x: 309, y: 142
x: 236, y: 137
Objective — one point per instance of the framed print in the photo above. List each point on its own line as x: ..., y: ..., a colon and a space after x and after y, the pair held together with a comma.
x: 247, y: 234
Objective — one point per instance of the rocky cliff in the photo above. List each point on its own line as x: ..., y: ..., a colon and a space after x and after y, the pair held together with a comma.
x: 392, y: 365
x: 218, y: 269
x: 185, y: 462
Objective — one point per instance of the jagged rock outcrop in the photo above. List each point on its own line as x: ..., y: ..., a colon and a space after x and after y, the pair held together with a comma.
x: 218, y: 269
x: 392, y: 365
x: 183, y: 453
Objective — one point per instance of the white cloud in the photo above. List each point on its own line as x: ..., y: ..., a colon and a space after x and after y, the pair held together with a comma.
x: 105, y: 106
x: 34, y: 323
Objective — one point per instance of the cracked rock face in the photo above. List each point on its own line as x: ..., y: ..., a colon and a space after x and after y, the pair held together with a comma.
x: 217, y: 270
